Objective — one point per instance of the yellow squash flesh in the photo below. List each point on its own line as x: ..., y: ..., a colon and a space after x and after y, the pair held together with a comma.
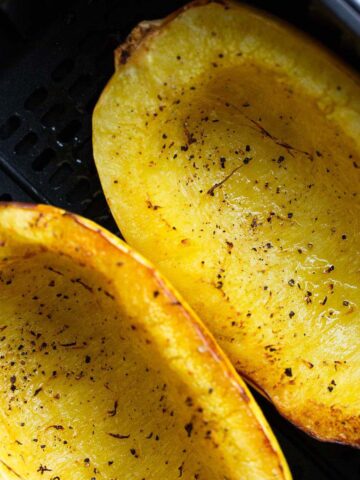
x: 228, y: 148
x: 105, y: 373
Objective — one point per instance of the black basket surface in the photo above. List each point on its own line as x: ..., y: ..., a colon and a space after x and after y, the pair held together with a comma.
x: 47, y: 94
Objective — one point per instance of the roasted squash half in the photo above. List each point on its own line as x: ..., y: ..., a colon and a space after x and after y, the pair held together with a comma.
x: 228, y: 148
x: 105, y: 373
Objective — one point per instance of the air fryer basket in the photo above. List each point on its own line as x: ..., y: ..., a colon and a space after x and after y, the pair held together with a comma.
x: 46, y: 101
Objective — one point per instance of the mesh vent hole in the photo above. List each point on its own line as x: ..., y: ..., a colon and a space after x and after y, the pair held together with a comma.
x: 62, y: 70
x: 298, y: 471
x: 26, y: 144
x: 61, y: 175
x: 83, y: 152
x: 90, y: 41
x: 105, y: 57
x: 69, y: 132
x: 9, y: 127
x: 97, y: 207
x: 79, y: 192
x: 81, y: 84
x: 36, y: 98
x: 90, y: 104
x: 70, y: 18
x: 5, y: 197
x: 43, y: 160
x: 52, y: 117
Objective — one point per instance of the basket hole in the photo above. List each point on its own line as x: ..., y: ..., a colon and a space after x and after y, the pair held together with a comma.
x: 79, y: 192
x: 51, y: 117
x: 62, y: 70
x: 90, y: 104
x: 9, y: 127
x: 43, y: 160
x: 298, y: 471
x: 5, y: 197
x: 109, y: 223
x: 61, y: 175
x: 70, y: 18
x: 83, y: 151
x: 90, y: 41
x: 97, y: 207
x: 81, y: 84
x: 26, y: 144
x: 104, y: 60
x: 69, y: 132
x: 36, y: 98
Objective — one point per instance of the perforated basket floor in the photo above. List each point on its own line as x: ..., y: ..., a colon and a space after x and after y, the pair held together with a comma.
x: 46, y: 99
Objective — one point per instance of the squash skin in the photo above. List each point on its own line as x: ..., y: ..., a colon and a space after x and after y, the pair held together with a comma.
x: 53, y: 262
x: 168, y: 201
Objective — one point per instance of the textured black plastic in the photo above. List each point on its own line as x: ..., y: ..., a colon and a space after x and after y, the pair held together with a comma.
x: 46, y: 100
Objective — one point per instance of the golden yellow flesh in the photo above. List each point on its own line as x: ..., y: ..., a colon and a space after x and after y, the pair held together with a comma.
x: 105, y: 374
x: 228, y: 149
